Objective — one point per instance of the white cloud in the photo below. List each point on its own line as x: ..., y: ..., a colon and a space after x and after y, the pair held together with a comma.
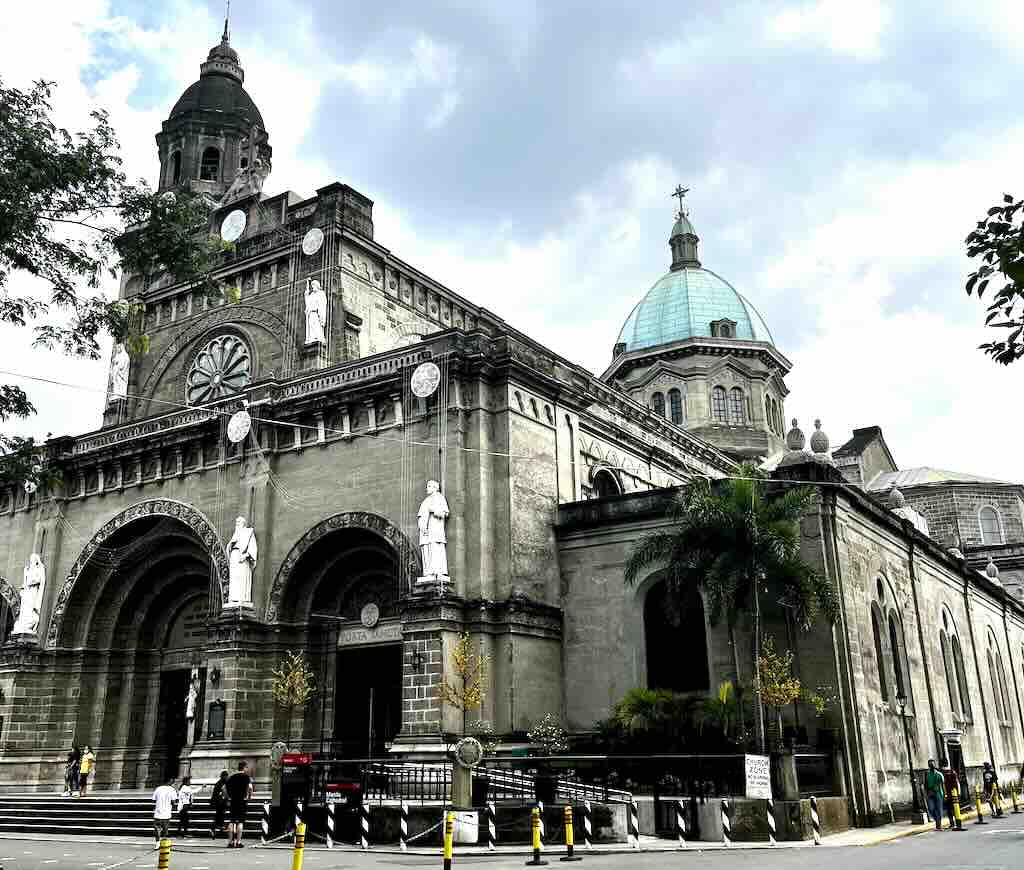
x: 853, y: 29
x: 424, y: 65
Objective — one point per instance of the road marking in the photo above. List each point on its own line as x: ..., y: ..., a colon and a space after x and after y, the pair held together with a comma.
x: 50, y: 861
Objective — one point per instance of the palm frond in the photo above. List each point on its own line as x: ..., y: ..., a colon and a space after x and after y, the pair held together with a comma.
x: 649, y: 550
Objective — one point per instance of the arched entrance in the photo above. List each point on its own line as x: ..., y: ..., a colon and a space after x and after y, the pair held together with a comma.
x: 344, y: 587
x: 136, y: 613
x: 676, y: 640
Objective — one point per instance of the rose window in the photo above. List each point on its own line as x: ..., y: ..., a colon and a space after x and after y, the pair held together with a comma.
x: 222, y: 368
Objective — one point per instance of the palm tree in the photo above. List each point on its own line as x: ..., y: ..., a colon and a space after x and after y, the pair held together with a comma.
x: 733, y: 538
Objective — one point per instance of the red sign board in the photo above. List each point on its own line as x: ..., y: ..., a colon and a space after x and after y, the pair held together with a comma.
x: 296, y: 758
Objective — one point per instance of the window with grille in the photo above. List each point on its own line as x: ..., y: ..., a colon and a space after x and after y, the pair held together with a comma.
x: 736, y: 406
x: 658, y: 404
x: 719, y: 411
x: 675, y: 404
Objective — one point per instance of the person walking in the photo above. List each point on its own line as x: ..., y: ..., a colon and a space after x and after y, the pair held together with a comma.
x: 219, y: 802
x: 990, y: 782
x: 75, y: 760
x: 950, y: 781
x: 163, y: 805
x: 87, y: 767
x: 186, y: 796
x: 239, y: 789
x: 935, y: 791
x: 69, y: 771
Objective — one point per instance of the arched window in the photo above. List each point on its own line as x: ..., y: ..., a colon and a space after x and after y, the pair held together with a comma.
x: 605, y: 483
x: 658, y: 404
x: 675, y: 632
x: 898, y: 664
x: 876, y: 630
x: 768, y: 416
x: 961, y: 679
x: 675, y: 406
x: 949, y: 669
x: 176, y: 167
x: 209, y: 168
x: 991, y: 528
x: 737, y: 414
x: 719, y: 411
x: 998, y: 678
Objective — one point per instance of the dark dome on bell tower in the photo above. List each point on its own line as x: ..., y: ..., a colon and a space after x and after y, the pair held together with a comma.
x: 214, y: 130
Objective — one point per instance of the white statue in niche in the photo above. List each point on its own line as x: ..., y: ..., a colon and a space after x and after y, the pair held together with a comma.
x: 117, y: 386
x: 316, y: 312
x: 433, y: 543
x: 192, y: 698
x: 242, y: 553
x: 31, y: 596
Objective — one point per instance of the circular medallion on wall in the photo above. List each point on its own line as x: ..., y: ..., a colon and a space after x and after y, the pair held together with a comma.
x: 468, y: 752
x: 369, y: 616
x: 222, y: 368
x: 233, y: 225
x: 239, y: 426
x: 312, y: 241
x: 425, y: 379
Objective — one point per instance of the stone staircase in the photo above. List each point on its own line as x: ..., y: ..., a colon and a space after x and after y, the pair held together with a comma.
x: 108, y: 813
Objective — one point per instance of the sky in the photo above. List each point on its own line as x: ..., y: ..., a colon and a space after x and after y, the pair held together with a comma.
x: 524, y: 155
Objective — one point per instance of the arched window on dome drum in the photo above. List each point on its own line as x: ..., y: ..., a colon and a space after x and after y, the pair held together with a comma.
x: 658, y: 404
x: 209, y: 168
x: 176, y: 167
x: 719, y: 411
x: 991, y: 530
x: 769, y: 415
x: 675, y: 406
x: 737, y: 411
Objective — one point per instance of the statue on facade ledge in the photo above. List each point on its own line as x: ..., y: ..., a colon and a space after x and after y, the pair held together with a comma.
x: 242, y: 553
x: 31, y: 597
x: 431, y: 518
x: 117, y: 385
x: 316, y: 312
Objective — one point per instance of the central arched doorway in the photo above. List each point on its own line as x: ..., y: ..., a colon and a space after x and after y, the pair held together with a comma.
x: 344, y: 588
x: 138, y: 611
x: 675, y: 635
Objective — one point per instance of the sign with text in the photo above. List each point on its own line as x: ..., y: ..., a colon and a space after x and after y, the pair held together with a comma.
x: 759, y: 776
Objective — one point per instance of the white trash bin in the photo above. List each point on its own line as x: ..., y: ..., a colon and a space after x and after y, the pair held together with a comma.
x: 467, y: 828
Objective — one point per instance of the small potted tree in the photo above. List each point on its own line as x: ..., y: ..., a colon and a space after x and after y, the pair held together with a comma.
x: 550, y: 739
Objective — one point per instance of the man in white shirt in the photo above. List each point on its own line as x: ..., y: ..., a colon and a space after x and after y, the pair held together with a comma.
x: 163, y: 807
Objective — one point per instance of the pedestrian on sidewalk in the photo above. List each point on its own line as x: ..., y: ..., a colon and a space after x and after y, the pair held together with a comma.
x: 935, y: 792
x: 186, y: 795
x: 990, y: 782
x: 950, y: 781
x: 87, y: 767
x: 239, y: 789
x: 69, y: 768
x: 73, y: 771
x: 219, y: 802
x: 163, y: 806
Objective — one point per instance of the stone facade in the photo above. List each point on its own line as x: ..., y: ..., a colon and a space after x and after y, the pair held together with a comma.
x: 329, y: 478
x: 879, y: 564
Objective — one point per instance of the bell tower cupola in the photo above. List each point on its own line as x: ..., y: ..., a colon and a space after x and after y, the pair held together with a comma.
x: 214, y: 141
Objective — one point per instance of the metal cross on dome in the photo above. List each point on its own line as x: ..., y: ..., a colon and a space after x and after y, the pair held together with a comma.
x: 680, y: 192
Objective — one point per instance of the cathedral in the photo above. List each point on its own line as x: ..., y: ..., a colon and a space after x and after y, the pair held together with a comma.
x: 337, y: 454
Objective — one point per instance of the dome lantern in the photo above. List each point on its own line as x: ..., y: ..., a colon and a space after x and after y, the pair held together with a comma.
x: 684, y: 239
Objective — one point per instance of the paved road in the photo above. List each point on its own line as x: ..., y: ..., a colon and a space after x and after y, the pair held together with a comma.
x: 996, y: 846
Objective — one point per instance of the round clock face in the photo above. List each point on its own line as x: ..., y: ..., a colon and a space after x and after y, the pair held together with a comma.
x: 425, y: 379
x: 370, y: 615
x: 469, y: 752
x: 312, y: 241
x: 233, y: 225
x: 30, y: 486
x: 239, y: 426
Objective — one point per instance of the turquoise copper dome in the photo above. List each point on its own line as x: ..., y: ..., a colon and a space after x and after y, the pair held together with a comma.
x: 683, y: 304
x: 685, y: 301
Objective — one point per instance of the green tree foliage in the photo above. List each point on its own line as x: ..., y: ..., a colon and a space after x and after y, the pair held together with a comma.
x: 734, y: 538
x: 65, y: 206
x: 998, y: 240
